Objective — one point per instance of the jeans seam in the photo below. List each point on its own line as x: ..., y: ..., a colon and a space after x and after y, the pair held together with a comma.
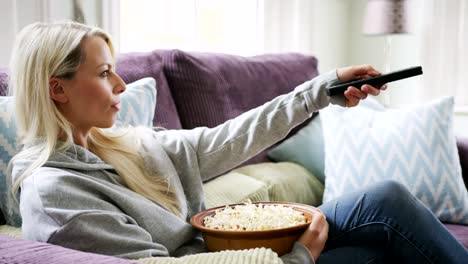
x: 391, y: 227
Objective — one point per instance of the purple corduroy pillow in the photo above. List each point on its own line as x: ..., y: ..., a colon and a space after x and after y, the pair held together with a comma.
x: 462, y: 145
x: 210, y: 88
x: 134, y: 66
x: 3, y: 81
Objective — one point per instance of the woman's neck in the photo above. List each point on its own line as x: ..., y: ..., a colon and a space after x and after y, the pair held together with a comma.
x: 79, y: 138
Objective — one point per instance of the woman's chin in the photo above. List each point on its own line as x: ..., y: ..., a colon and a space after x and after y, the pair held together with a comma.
x: 106, y: 124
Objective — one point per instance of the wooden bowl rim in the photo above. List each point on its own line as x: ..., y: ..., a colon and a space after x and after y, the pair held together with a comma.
x: 196, y: 222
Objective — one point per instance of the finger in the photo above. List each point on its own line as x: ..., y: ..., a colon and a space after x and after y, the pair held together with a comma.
x: 351, y: 100
x: 321, y: 226
x: 368, y: 75
x: 324, y: 232
x: 357, y: 92
x: 365, y: 70
x: 311, y: 235
x: 318, y: 222
x: 369, y: 89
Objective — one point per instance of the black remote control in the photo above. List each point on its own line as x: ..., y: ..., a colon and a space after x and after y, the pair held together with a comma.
x: 375, y: 81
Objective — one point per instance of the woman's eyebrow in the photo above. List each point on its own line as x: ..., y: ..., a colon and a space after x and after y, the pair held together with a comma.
x: 105, y: 63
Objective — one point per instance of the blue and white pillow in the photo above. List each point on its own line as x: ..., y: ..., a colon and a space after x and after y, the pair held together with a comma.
x: 137, y: 108
x: 415, y: 146
x: 307, y: 148
x: 138, y: 104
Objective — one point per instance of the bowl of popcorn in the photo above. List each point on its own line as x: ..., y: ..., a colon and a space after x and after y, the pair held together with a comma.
x: 253, y: 225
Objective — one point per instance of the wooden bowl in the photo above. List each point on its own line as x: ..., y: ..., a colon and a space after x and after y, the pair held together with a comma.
x: 279, y: 240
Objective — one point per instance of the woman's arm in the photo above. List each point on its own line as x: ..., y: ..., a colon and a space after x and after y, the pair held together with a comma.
x: 221, y: 148
x: 225, y: 146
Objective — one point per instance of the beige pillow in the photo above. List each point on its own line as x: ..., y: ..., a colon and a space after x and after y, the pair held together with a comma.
x: 286, y: 181
x: 234, y: 187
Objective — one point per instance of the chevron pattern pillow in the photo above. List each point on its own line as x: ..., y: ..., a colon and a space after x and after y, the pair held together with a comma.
x: 138, y: 104
x: 137, y: 108
x: 415, y: 146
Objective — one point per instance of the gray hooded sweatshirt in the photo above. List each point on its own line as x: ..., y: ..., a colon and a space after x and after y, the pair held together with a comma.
x: 78, y: 201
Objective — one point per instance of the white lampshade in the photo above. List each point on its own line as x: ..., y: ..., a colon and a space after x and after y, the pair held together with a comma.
x: 386, y: 17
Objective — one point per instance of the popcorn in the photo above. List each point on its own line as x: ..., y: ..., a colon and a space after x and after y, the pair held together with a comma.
x: 254, y: 217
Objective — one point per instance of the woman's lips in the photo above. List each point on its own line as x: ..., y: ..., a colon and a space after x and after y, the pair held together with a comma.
x: 116, y: 106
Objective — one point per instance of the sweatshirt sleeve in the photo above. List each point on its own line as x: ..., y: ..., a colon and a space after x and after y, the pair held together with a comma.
x: 298, y: 255
x: 107, y: 233
x: 67, y: 214
x: 223, y: 147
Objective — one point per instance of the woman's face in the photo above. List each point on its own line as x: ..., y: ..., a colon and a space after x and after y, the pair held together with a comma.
x: 93, y: 92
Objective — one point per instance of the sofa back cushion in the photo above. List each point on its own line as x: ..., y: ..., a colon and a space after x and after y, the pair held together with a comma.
x: 210, y: 88
x: 134, y: 66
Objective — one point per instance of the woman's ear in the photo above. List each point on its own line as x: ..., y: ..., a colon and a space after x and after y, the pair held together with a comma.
x: 56, y: 90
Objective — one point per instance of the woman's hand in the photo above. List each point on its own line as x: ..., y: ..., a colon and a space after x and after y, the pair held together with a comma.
x: 354, y: 94
x: 316, y: 235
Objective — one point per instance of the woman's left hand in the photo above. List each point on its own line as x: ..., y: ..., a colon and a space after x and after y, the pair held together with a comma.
x: 353, y: 94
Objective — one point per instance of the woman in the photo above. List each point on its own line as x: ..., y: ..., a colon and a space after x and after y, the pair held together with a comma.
x: 130, y: 193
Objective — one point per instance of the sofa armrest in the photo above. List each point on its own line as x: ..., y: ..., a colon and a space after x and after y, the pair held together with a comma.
x: 14, y: 250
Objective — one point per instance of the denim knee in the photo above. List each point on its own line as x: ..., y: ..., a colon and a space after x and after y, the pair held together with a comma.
x: 391, y: 193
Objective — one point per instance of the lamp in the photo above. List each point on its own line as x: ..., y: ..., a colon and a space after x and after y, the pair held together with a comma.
x: 386, y: 17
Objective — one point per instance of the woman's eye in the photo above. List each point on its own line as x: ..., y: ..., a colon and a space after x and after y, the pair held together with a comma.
x: 105, y: 73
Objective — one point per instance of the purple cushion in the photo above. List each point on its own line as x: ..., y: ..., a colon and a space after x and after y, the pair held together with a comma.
x: 462, y: 144
x: 460, y: 232
x: 13, y: 250
x: 134, y: 66
x: 210, y: 88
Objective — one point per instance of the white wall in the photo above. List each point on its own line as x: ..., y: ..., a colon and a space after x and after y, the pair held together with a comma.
x: 7, y: 29
x: 331, y: 43
x: 308, y: 26
x: 461, y: 123
x: 15, y: 14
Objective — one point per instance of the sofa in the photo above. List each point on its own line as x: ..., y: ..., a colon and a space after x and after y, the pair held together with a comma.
x: 205, y: 89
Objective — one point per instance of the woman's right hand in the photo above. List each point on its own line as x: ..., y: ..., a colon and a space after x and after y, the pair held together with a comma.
x: 316, y: 235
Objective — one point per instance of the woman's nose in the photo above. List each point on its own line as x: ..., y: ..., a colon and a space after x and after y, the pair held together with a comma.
x: 119, y: 85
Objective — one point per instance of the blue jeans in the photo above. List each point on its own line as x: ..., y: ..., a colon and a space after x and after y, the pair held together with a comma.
x: 384, y: 223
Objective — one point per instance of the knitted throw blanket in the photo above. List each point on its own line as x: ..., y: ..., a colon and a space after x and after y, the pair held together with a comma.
x: 251, y: 256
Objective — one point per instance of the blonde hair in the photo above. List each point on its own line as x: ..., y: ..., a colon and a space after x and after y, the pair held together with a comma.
x: 45, y: 50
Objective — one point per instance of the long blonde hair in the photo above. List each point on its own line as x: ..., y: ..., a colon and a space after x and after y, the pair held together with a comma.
x: 45, y: 50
